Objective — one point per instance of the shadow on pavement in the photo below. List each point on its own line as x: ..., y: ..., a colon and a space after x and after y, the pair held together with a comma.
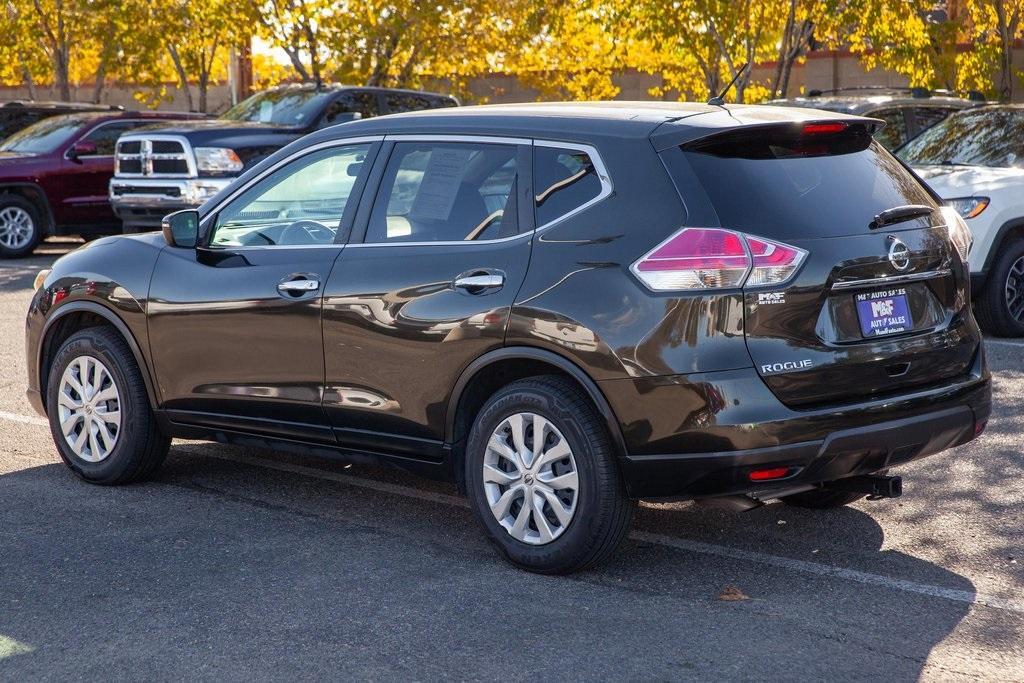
x: 221, y: 569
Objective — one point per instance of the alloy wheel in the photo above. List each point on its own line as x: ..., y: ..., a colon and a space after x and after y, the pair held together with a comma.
x: 530, y: 478
x: 16, y: 227
x: 1015, y: 290
x: 89, y: 408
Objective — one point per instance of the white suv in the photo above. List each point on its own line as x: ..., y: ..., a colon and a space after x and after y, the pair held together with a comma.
x: 975, y: 161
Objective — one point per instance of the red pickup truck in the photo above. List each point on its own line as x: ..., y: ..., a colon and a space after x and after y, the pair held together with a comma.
x: 54, y: 176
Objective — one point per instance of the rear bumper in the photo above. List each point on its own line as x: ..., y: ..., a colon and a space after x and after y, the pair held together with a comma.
x: 818, y: 446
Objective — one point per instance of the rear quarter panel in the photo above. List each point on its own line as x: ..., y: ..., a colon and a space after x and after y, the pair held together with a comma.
x: 581, y: 300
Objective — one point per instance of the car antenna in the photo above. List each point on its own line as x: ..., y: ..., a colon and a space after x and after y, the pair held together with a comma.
x: 719, y: 100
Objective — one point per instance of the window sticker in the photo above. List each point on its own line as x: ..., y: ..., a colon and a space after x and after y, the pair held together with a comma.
x: 441, y: 182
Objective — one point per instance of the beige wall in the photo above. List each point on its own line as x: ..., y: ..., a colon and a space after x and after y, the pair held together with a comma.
x: 822, y: 70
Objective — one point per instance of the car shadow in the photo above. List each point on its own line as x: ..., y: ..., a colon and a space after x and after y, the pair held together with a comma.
x: 197, y: 554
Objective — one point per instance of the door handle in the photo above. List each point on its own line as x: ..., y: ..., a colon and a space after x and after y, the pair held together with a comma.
x: 298, y: 286
x: 475, y: 283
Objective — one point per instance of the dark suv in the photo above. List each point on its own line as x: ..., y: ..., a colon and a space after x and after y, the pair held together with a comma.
x: 907, y: 112
x: 18, y: 114
x: 559, y: 307
x: 54, y: 176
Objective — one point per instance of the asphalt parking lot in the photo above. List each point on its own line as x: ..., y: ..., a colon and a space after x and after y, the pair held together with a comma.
x: 236, y: 564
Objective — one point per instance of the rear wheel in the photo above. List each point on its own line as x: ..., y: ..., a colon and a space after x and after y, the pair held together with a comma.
x: 99, y: 412
x: 21, y: 227
x: 542, y: 477
x: 1000, y: 307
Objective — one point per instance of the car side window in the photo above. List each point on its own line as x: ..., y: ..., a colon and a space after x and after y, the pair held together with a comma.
x: 401, y: 101
x: 895, y: 132
x: 563, y: 180
x: 361, y: 102
x: 105, y: 136
x: 300, y: 204
x: 446, y: 192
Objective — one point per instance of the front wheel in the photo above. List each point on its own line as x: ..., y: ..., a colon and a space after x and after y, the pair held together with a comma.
x: 1000, y: 308
x: 99, y: 412
x: 21, y: 228
x: 542, y: 477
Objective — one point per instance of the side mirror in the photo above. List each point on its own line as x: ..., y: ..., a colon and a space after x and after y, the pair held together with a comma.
x: 82, y: 148
x: 181, y: 228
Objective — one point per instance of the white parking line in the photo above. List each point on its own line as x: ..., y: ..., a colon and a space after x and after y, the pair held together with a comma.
x: 24, y: 419
x: 801, y: 566
x: 1005, y: 342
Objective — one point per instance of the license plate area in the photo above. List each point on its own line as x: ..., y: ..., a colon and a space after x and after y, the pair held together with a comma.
x: 884, y: 312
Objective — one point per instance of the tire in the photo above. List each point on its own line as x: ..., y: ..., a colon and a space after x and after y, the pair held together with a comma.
x: 823, y: 498
x: 21, y: 226
x: 601, y: 510
x: 137, y: 448
x: 1005, y: 279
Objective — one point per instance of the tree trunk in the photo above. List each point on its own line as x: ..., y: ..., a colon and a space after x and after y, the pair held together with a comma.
x: 30, y: 85
x: 101, y: 80
x: 182, y: 75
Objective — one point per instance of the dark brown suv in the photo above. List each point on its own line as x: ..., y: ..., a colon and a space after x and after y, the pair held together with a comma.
x: 559, y: 307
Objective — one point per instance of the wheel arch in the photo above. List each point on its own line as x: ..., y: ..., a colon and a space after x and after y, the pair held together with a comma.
x: 1013, y: 228
x: 79, y: 315
x: 35, y: 194
x: 496, y: 368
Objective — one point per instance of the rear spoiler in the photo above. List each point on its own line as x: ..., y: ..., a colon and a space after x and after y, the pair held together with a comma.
x: 751, y: 119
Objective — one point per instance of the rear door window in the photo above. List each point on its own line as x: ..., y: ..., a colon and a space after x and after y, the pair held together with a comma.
x: 782, y: 184
x: 446, y: 192
x: 564, y: 180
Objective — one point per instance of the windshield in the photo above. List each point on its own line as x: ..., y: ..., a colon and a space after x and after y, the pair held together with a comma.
x: 972, y: 138
x: 283, y: 107
x: 44, y: 136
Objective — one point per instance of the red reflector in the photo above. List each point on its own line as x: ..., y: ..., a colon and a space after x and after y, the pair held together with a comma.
x: 820, y: 128
x: 979, y: 427
x: 60, y: 295
x: 772, y: 473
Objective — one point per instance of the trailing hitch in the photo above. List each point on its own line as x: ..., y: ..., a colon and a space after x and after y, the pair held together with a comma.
x: 875, y: 485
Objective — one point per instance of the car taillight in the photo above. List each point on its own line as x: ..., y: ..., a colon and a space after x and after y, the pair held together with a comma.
x: 713, y: 258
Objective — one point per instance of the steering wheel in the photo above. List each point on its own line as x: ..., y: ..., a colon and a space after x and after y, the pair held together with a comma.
x: 306, y: 232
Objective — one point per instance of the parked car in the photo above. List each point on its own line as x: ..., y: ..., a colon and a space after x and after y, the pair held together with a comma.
x: 54, y: 176
x: 975, y: 161
x: 907, y: 112
x: 180, y: 167
x: 18, y: 114
x: 559, y: 307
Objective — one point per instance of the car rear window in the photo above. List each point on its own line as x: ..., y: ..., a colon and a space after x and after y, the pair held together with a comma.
x: 787, y: 183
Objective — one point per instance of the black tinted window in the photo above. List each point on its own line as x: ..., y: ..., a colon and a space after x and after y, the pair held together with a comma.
x: 12, y: 120
x: 985, y: 137
x: 895, y: 132
x: 360, y: 102
x: 564, y: 180
x: 446, y: 192
x: 788, y: 186
x: 403, y: 101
